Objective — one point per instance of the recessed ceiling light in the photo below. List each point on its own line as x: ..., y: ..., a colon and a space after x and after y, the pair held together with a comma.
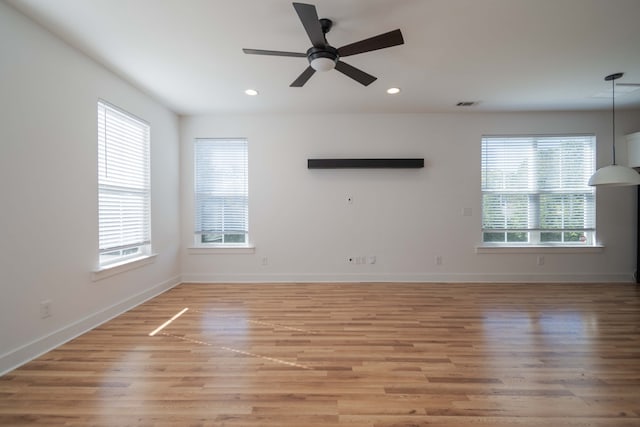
x: 251, y: 92
x: 393, y: 90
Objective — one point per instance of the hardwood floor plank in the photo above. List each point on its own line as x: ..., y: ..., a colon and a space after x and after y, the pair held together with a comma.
x: 357, y: 355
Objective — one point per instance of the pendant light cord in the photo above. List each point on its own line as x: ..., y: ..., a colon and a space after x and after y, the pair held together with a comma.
x: 613, y: 111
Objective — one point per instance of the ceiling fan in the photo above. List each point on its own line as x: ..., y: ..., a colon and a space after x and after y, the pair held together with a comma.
x: 324, y: 57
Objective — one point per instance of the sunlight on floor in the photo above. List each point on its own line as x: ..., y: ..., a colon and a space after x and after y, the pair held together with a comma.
x: 168, y: 322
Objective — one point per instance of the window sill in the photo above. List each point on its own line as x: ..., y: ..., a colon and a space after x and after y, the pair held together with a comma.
x: 121, y: 267
x: 539, y: 249
x: 221, y: 249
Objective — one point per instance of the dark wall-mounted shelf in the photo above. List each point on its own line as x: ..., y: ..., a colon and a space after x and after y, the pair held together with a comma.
x: 364, y: 163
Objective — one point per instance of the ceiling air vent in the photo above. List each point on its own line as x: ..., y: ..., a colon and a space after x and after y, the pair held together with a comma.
x: 466, y: 103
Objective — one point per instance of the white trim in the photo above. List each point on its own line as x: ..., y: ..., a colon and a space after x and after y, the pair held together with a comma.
x: 497, y: 249
x: 36, y: 348
x: 124, y: 112
x: 410, y: 277
x: 221, y: 249
x: 120, y: 267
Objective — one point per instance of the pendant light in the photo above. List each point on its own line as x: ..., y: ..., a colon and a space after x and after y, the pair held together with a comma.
x: 614, y: 175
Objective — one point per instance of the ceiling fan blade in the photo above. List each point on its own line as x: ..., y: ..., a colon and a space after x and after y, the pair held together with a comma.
x: 392, y: 38
x: 302, y: 78
x: 273, y: 53
x: 356, y: 74
x: 311, y: 23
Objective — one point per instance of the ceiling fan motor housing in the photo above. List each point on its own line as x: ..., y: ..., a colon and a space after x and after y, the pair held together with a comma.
x: 323, y: 58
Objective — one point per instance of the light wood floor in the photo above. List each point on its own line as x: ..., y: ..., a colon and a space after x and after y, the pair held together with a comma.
x: 357, y: 355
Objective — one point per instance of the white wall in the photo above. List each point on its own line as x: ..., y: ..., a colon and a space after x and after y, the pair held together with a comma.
x: 48, y: 192
x: 300, y: 220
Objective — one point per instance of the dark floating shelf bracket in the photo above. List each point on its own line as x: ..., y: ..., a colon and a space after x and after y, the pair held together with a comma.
x: 413, y: 163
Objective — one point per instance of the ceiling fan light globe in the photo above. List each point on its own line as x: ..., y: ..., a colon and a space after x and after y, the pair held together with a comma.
x: 323, y: 64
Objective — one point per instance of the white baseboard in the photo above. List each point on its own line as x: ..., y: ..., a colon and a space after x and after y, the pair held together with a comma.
x: 408, y: 277
x: 13, y: 359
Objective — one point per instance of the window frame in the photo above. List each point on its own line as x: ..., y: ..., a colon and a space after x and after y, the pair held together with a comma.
x: 199, y: 235
x: 534, y: 194
x: 134, y: 188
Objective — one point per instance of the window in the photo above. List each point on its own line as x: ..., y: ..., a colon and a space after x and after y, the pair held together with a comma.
x: 123, y: 185
x: 221, y: 192
x: 535, y: 192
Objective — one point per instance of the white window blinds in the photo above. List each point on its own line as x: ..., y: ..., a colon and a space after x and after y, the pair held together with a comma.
x: 538, y: 183
x: 123, y: 184
x: 221, y: 188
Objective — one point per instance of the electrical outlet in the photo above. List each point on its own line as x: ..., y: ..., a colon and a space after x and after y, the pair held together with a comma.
x: 540, y: 260
x: 265, y: 260
x: 438, y: 259
x: 45, y: 309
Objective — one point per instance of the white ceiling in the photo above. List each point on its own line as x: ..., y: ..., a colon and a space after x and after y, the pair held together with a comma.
x: 510, y: 55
